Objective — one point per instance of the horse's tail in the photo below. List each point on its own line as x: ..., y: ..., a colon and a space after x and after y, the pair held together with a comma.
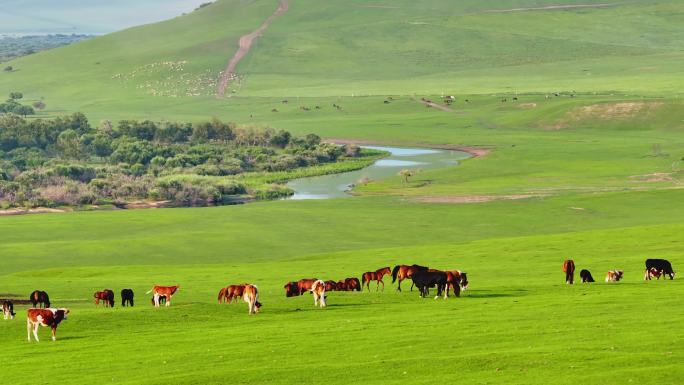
x: 149, y: 291
x: 395, y: 271
x: 221, y: 294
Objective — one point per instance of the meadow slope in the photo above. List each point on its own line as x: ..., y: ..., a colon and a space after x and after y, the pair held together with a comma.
x: 602, y: 160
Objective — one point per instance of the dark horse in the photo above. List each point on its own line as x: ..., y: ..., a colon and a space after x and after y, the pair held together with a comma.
x: 127, y: 297
x: 376, y: 275
x: 402, y: 272
x: 424, y: 280
x: 585, y: 275
x: 40, y: 297
x: 569, y: 270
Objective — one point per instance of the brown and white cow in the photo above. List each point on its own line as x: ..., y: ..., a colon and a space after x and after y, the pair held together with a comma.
x: 250, y: 294
x: 163, y: 291
x: 318, y: 291
x: 8, y: 309
x: 614, y: 275
x: 44, y: 317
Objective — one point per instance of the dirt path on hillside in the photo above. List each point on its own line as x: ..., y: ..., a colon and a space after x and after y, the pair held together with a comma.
x: 551, y: 8
x: 245, y: 44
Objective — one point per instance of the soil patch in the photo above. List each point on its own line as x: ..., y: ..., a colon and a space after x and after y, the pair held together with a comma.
x: 474, y: 198
x: 37, y: 210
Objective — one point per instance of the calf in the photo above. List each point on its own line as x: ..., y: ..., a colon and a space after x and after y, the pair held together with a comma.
x: 8, y: 309
x: 127, y: 297
x: 251, y: 296
x: 318, y: 291
x: 45, y: 318
x: 614, y: 275
x: 662, y: 265
x: 585, y: 275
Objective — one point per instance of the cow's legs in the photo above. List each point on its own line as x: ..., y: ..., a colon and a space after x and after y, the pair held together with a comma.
x: 54, y: 332
x: 168, y: 301
x: 156, y: 300
x: 35, y: 332
x: 28, y: 329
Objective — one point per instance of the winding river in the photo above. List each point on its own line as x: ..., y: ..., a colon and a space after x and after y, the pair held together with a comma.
x: 339, y: 185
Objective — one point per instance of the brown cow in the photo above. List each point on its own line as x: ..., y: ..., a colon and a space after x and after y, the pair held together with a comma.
x: 44, y: 317
x: 251, y: 296
x: 106, y: 296
x: 569, y: 270
x: 163, y: 291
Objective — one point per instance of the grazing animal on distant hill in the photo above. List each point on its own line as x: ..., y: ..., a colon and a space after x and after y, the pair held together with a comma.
x: 375, y: 276
x: 614, y: 275
x: 293, y: 289
x: 127, y: 297
x: 40, y: 297
x: 8, y: 309
x: 585, y: 275
x: 251, y: 296
x: 44, y: 317
x: 402, y: 272
x: 652, y: 272
x: 106, y: 296
x: 163, y: 291
x: 662, y: 265
x: 569, y: 270
x: 424, y: 280
x: 318, y: 291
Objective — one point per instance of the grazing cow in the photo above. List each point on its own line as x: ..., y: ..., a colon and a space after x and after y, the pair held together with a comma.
x: 251, y: 296
x: 330, y: 285
x: 402, y: 272
x: 585, y: 275
x: 318, y: 291
x: 376, y: 275
x: 424, y: 280
x: 293, y: 289
x: 8, y: 309
x: 163, y: 291
x: 127, y: 297
x: 652, y: 272
x: 44, y: 317
x: 569, y: 270
x: 106, y: 296
x: 40, y: 297
x: 662, y: 265
x: 614, y: 275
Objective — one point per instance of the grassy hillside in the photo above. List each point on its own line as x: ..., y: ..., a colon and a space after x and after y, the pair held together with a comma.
x: 600, y: 164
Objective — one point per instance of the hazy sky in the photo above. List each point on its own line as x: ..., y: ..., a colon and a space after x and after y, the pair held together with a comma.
x: 86, y: 16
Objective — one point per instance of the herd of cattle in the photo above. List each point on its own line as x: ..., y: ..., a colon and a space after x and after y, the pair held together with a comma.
x: 422, y: 277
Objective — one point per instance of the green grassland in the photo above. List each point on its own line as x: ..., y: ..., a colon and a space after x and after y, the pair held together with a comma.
x: 601, y: 160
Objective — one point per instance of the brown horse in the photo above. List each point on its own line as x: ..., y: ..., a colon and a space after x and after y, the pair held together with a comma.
x: 349, y: 284
x: 375, y: 276
x: 569, y: 270
x: 402, y: 272
x: 293, y: 289
x: 330, y: 285
x: 106, y: 296
x: 230, y: 293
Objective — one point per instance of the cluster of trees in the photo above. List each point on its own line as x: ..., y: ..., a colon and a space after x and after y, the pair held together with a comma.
x: 12, y: 105
x: 13, y: 47
x: 66, y: 161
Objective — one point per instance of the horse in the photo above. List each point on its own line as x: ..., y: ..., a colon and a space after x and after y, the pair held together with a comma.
x: 318, y: 291
x: 402, y: 272
x: 586, y: 277
x: 569, y: 270
x: 127, y: 297
x: 375, y: 276
x: 106, y: 296
x: 341, y: 286
x: 232, y: 292
x: 293, y: 289
x: 163, y: 291
x: 39, y: 297
x: 352, y: 284
x: 424, y: 280
x: 251, y: 296
x: 614, y: 275
x: 330, y: 285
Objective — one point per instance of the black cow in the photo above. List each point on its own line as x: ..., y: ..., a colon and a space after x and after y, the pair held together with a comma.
x: 8, y: 310
x: 40, y: 297
x: 586, y: 276
x: 424, y: 280
x: 662, y: 265
x: 127, y: 297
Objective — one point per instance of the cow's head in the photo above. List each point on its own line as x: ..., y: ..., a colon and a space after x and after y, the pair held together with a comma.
x: 464, y: 280
x: 258, y: 306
